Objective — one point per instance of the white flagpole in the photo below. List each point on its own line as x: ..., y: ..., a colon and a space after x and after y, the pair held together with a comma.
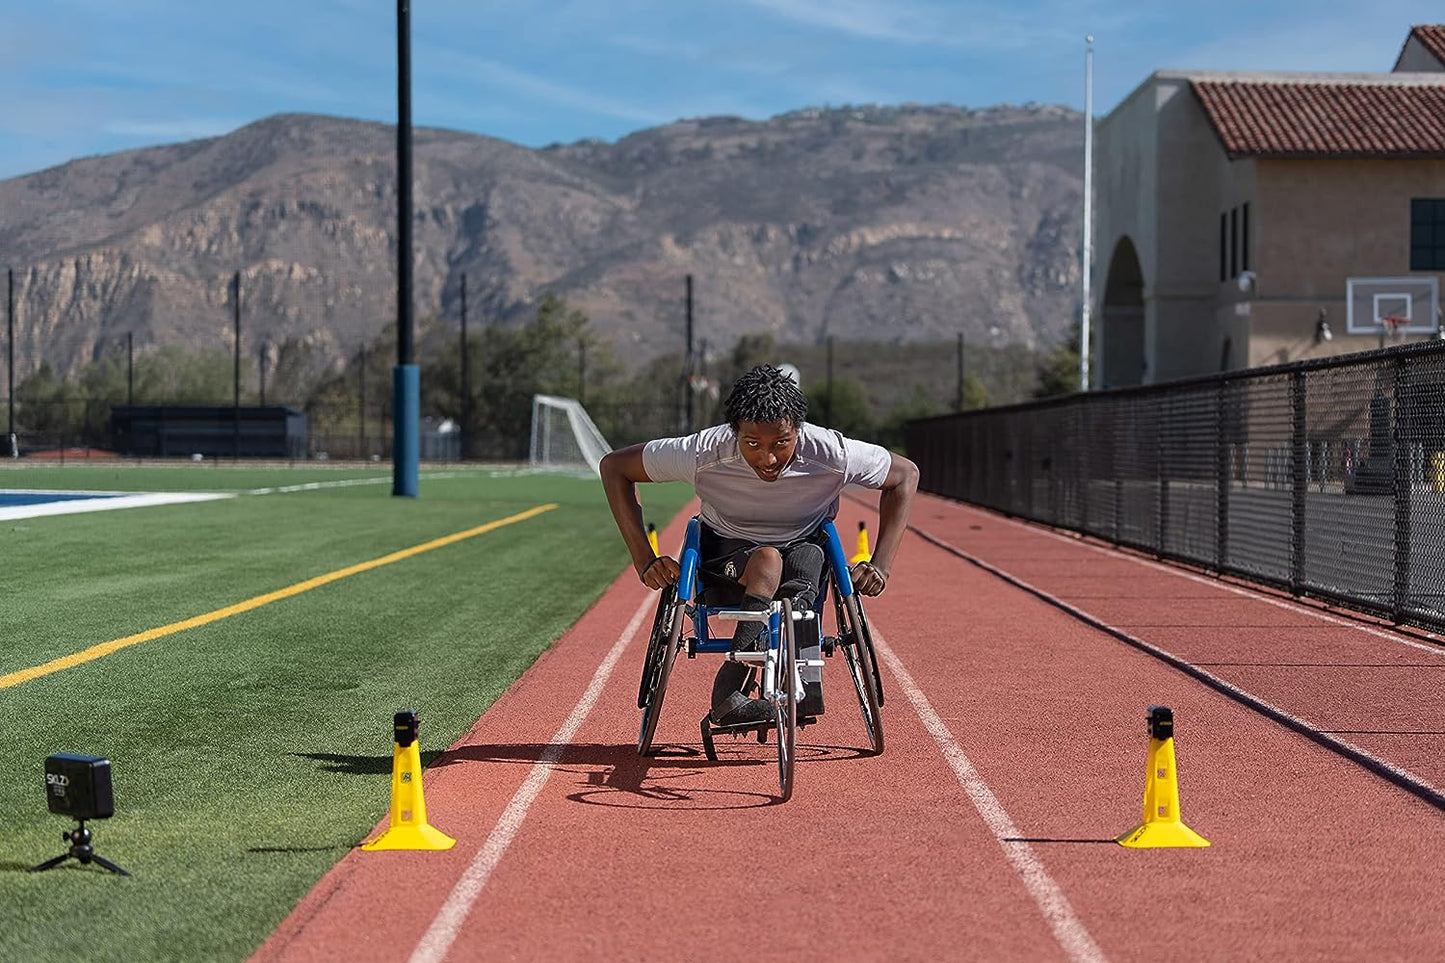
x: 1084, y: 338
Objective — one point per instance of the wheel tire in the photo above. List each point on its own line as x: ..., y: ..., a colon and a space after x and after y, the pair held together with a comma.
x: 656, y: 640
x: 856, y: 643
x: 658, y: 667
x: 786, y: 712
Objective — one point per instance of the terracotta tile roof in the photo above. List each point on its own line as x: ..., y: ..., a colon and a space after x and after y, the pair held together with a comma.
x: 1431, y: 37
x: 1325, y: 119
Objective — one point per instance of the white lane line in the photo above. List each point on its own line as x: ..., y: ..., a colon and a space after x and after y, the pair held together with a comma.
x: 443, y: 931
x: 1399, y: 775
x: 1071, y: 935
x: 1237, y: 590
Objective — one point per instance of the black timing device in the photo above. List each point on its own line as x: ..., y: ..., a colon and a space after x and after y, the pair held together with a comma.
x: 79, y: 787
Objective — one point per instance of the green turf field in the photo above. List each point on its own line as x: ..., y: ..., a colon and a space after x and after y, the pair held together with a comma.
x: 251, y: 753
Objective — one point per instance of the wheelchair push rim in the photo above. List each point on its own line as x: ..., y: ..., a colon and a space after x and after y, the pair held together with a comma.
x: 662, y: 649
x: 857, y: 644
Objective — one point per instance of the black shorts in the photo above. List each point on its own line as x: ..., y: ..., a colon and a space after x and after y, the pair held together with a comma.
x: 723, y: 559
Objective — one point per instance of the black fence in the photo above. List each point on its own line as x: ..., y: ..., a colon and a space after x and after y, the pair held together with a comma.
x: 1323, y: 477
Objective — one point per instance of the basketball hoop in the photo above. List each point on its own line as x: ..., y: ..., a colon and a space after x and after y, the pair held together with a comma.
x: 1392, y: 323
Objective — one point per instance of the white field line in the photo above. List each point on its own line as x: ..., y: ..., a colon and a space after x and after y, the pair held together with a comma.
x: 448, y: 923
x: 346, y: 483
x: 1070, y: 933
x: 1235, y: 589
x: 109, y: 503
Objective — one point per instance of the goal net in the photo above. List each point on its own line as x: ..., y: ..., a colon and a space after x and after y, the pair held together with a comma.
x: 564, y: 437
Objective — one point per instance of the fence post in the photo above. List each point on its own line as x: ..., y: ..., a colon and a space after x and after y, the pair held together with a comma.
x: 1161, y: 477
x: 1222, y: 477
x: 1300, y: 482
x: 1403, y: 491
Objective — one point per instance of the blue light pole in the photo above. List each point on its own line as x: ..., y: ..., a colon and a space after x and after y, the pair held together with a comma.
x: 405, y: 381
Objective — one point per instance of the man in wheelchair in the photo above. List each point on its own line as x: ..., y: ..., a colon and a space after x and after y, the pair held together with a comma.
x: 767, y: 481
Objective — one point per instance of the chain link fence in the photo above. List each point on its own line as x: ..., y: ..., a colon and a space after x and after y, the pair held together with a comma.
x: 1326, y: 478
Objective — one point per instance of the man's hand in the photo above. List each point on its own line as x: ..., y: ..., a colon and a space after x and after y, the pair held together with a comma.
x: 868, y: 578
x: 659, y: 573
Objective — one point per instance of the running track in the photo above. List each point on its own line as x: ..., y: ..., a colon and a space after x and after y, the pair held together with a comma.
x: 1016, y: 750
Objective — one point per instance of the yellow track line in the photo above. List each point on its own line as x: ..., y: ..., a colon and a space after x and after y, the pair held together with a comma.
x: 115, y: 645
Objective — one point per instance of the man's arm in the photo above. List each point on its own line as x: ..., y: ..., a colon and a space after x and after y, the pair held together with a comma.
x: 621, y: 470
x: 893, y: 505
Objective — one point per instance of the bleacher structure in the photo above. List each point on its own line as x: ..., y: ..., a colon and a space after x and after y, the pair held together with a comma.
x: 564, y: 438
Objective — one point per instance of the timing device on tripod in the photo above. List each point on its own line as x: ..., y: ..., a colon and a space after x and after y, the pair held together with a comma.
x: 79, y: 787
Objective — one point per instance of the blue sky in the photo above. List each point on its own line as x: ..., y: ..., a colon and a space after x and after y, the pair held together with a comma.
x: 82, y: 77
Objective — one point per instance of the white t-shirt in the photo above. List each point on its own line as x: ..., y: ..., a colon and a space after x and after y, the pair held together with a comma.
x: 739, y: 504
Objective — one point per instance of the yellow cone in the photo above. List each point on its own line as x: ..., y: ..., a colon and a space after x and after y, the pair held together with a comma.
x: 409, y: 828
x: 1162, y: 825
x: 652, y: 538
x: 862, y: 554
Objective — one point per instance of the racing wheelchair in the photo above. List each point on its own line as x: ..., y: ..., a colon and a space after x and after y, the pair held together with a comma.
x: 777, y: 669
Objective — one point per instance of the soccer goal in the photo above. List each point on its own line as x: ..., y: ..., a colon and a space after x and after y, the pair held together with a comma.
x: 564, y: 437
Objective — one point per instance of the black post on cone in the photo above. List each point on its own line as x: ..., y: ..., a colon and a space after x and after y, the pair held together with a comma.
x: 466, y: 378
x: 130, y: 367
x: 406, y: 380
x: 236, y: 398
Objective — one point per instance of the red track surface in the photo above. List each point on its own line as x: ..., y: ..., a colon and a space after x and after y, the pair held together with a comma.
x: 900, y: 857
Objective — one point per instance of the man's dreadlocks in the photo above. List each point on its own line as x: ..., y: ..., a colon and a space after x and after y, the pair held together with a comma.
x: 765, y: 394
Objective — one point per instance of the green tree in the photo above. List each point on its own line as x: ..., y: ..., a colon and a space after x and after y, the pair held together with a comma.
x: 1057, y: 373
x: 918, y: 404
x: 975, y: 394
x: 848, y: 409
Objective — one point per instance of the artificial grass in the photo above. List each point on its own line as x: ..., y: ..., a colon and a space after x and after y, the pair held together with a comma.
x: 251, y: 753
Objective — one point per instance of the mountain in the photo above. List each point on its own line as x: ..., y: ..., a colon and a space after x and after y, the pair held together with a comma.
x: 880, y: 223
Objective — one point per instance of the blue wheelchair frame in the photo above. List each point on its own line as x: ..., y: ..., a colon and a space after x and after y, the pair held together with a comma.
x: 685, y: 598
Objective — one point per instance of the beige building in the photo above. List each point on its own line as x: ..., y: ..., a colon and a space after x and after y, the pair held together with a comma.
x: 1246, y: 219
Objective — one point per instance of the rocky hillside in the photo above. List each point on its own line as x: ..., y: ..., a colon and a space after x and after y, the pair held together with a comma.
x: 905, y: 224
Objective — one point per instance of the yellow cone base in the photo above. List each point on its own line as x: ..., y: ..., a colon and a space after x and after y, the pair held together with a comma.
x: 1161, y: 835
x: 409, y: 826
x: 424, y: 836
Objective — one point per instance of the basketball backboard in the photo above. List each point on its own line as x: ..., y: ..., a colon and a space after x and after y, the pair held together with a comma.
x: 1412, y: 305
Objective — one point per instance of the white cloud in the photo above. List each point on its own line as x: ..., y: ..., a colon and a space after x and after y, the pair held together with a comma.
x: 483, y: 72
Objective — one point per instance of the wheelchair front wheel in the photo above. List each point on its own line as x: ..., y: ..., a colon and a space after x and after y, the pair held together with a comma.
x: 785, y: 707
x: 662, y: 649
x: 857, y: 643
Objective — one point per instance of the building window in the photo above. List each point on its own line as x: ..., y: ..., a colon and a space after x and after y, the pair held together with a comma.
x: 1244, y: 236
x: 1234, y: 242
x: 1427, y: 234
x: 1223, y: 248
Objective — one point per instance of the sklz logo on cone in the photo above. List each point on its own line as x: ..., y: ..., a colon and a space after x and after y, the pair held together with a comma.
x: 409, y: 828
x: 1162, y: 825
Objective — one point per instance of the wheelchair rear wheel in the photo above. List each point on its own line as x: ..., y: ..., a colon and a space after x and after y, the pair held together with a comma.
x: 786, y: 708
x: 662, y: 649
x: 856, y: 641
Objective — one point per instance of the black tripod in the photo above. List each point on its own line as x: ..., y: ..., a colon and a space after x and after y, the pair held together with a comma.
x: 80, y: 848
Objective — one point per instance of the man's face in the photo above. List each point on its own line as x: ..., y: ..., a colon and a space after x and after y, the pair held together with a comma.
x: 767, y: 446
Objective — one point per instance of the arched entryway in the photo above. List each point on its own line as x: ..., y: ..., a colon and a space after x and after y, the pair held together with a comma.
x: 1121, y: 341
